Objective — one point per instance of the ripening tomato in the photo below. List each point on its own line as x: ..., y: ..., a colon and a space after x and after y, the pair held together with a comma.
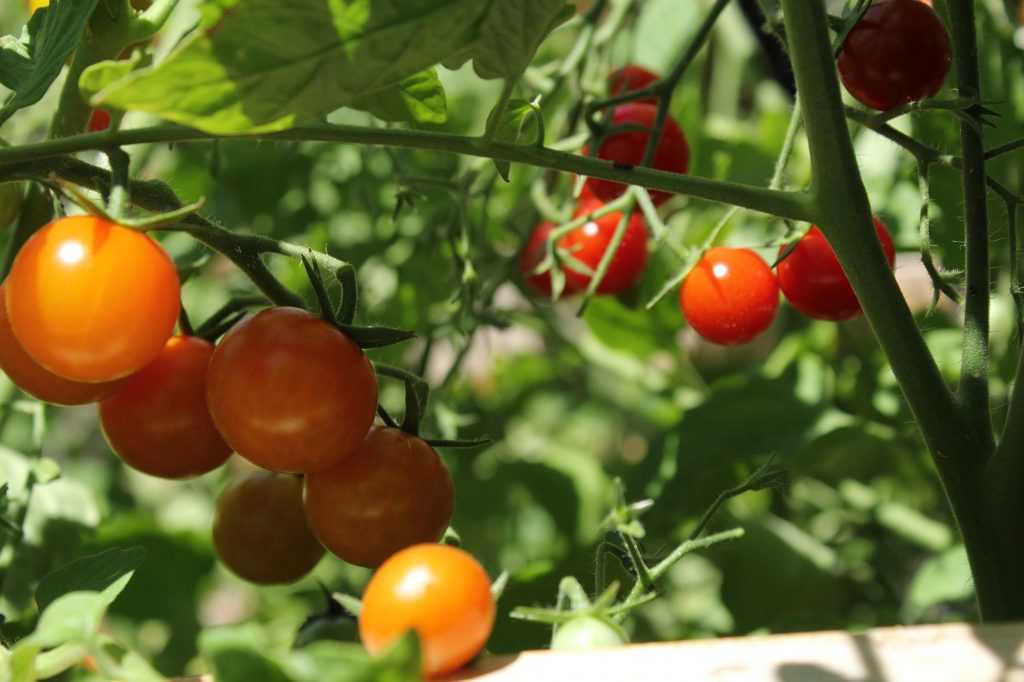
x: 91, y: 300
x: 629, y: 78
x: 589, y: 242
x: 99, y: 121
x: 442, y: 593
x: 260, y: 531
x: 39, y: 382
x: 813, y: 281
x: 898, y: 52
x: 730, y: 296
x: 290, y: 392
x: 158, y: 421
x: 532, y: 256
x: 672, y: 153
x: 392, y: 492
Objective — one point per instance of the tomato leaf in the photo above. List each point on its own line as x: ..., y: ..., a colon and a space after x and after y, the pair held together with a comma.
x: 107, y: 573
x: 73, y: 617
x: 376, y: 337
x: 516, y: 119
x: 29, y: 65
x: 312, y: 58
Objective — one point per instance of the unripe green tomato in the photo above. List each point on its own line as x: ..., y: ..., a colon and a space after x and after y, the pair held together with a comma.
x: 588, y: 632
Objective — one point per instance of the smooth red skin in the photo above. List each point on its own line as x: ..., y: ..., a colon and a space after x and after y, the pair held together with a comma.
x: 589, y: 242
x: 442, y: 593
x: 392, y: 492
x: 629, y: 78
x: 260, y: 531
x: 730, y: 296
x: 39, y: 382
x: 158, y: 421
x: 290, y: 392
x: 533, y: 254
x: 898, y: 52
x: 813, y: 281
x: 99, y: 121
x: 672, y: 154
x: 90, y: 300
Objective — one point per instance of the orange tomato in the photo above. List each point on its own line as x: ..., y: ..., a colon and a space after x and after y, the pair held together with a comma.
x: 158, y: 421
x: 442, y: 593
x: 91, y: 300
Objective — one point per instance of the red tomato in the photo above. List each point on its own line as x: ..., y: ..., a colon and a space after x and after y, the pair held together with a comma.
x: 629, y: 78
x: 158, y: 421
x: 440, y: 592
x: 99, y: 121
x: 91, y: 300
x: 260, y: 531
x: 392, y: 492
x: 290, y: 392
x: 731, y: 296
x: 39, y: 382
x: 532, y: 256
x: 589, y: 242
x: 898, y: 52
x: 814, y: 282
x: 672, y: 153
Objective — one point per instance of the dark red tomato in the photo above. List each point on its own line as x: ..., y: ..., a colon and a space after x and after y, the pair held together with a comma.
x: 813, y: 281
x: 39, y: 382
x: 158, y: 422
x: 532, y: 256
x: 730, y: 296
x: 260, y: 532
x: 589, y: 242
x: 438, y: 591
x: 629, y: 78
x: 99, y: 121
x: 290, y: 392
x: 898, y: 52
x: 91, y: 300
x: 672, y: 153
x: 392, y: 492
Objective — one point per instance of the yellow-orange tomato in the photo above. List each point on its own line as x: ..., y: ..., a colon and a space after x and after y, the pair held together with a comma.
x: 290, y: 392
x: 91, y: 300
x: 442, y: 593
x: 36, y: 380
x: 260, y: 532
x: 158, y: 422
x: 392, y: 492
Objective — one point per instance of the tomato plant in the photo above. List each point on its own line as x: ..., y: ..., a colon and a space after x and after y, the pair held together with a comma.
x: 898, y: 52
x: 812, y: 280
x: 532, y: 256
x: 629, y: 78
x: 260, y: 531
x: 442, y: 593
x: 158, y: 421
x: 290, y: 392
x: 589, y: 242
x: 588, y: 632
x: 91, y: 300
x: 730, y: 296
x: 672, y: 152
x: 393, y: 491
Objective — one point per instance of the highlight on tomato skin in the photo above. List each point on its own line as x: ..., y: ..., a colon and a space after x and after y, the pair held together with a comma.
x: 260, y: 532
x: 39, y: 382
x: 442, y: 593
x: 589, y: 242
x: 532, y: 256
x: 70, y: 304
x: 158, y: 421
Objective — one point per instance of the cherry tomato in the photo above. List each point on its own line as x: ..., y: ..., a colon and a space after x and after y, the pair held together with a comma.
x: 629, y: 78
x: 898, y: 52
x: 392, y: 492
x: 91, y: 300
x: 442, y: 593
x: 290, y: 392
x: 39, y: 382
x: 589, y: 242
x: 99, y: 121
x: 730, y: 296
x: 813, y: 281
x: 260, y: 531
x: 158, y: 421
x: 672, y: 153
x: 532, y: 256
x: 588, y: 632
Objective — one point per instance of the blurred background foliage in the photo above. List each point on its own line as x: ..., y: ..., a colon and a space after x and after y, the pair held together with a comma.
x: 860, y: 536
